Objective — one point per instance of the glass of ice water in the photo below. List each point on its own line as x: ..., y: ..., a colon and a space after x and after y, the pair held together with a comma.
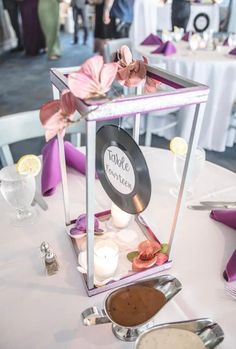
x: 195, y: 170
x: 18, y: 190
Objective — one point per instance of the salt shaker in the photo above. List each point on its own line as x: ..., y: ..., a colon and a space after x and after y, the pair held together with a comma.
x: 44, y: 247
x: 51, y: 263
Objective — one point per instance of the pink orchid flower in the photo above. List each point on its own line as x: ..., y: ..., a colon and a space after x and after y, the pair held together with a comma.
x: 93, y: 79
x: 130, y: 72
x: 56, y: 115
x: 149, y: 255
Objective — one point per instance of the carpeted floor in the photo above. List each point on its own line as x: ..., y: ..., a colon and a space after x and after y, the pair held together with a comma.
x: 25, y: 85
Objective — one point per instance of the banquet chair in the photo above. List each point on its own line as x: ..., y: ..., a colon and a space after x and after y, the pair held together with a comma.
x: 158, y: 122
x: 231, y: 132
x: 113, y: 45
x: 23, y: 126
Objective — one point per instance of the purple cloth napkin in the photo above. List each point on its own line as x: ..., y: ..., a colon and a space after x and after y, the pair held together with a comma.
x: 152, y: 40
x: 167, y: 49
x: 233, y: 52
x: 186, y: 36
x: 227, y: 217
x: 74, y: 158
x: 230, y: 270
x: 51, y: 173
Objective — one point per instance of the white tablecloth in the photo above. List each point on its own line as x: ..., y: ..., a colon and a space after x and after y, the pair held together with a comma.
x: 149, y: 17
x: 214, y: 69
x: 44, y: 312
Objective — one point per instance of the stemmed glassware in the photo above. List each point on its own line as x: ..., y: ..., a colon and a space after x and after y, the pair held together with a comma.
x: 194, y: 41
x: 19, y: 191
x: 178, y: 33
x: 232, y: 40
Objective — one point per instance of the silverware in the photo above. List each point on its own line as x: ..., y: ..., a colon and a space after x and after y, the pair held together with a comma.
x: 210, y: 207
x: 218, y: 203
x: 231, y: 291
x: 38, y: 199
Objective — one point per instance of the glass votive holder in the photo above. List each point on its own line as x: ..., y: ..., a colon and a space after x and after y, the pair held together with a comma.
x: 120, y: 219
x: 106, y: 256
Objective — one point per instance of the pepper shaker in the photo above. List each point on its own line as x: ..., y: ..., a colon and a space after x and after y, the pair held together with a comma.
x: 51, y: 263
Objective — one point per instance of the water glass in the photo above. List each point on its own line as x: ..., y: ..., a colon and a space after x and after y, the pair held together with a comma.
x: 166, y: 36
x: 194, y: 42
x: 178, y: 33
x: 18, y: 190
x: 197, y: 164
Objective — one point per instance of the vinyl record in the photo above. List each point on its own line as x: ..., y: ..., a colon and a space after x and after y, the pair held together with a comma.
x: 122, y: 169
x: 201, y: 22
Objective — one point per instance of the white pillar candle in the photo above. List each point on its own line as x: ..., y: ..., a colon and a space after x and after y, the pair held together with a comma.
x: 120, y: 219
x: 106, y: 255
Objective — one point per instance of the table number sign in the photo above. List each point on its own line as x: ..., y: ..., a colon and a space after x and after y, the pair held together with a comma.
x: 119, y: 170
x: 122, y: 169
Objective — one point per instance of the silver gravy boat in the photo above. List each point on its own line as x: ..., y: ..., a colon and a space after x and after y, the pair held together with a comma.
x: 209, y: 332
x: 168, y: 285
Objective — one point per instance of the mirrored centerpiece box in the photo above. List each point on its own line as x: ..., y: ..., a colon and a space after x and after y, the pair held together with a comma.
x: 132, y: 236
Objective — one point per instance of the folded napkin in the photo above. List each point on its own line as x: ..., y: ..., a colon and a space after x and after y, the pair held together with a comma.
x: 230, y: 270
x: 227, y: 217
x: 167, y: 49
x: 152, y: 40
x: 186, y: 36
x: 233, y: 52
x: 51, y: 172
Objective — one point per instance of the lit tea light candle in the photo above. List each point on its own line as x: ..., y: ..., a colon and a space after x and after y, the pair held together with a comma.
x: 120, y: 219
x: 106, y: 255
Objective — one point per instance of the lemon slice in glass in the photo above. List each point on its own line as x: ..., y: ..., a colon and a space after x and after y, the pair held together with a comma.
x: 179, y: 146
x: 29, y: 165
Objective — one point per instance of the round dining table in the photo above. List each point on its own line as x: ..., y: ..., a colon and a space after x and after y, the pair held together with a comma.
x: 155, y: 15
x: 214, y: 68
x: 40, y: 311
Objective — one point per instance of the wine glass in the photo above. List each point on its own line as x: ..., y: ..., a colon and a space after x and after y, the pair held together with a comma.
x: 194, y: 42
x: 194, y: 171
x: 178, y: 33
x: 18, y: 190
x: 166, y: 35
x: 232, y: 40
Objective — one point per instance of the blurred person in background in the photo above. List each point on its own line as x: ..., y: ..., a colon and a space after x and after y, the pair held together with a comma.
x: 5, y: 35
x: 48, y: 11
x: 13, y: 10
x: 102, y: 31
x: 79, y: 10
x: 120, y: 14
x: 180, y: 13
x: 34, y: 41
